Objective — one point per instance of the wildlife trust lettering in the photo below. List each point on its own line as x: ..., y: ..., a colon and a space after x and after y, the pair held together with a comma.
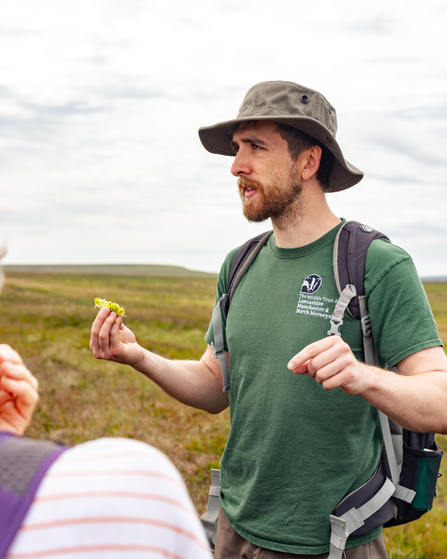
x: 315, y: 305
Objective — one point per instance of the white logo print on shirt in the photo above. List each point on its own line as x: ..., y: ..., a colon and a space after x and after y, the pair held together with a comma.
x: 312, y: 304
x: 311, y: 284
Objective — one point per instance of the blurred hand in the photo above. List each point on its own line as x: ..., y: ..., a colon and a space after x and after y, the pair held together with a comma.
x: 18, y: 392
x: 113, y: 341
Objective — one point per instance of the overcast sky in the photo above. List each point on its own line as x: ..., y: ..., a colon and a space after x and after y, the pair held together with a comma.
x: 100, y: 102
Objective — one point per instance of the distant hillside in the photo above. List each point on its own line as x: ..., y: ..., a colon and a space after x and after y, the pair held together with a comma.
x: 110, y: 269
x: 129, y: 270
x: 436, y: 278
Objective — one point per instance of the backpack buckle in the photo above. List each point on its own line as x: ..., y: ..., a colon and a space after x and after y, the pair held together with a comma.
x: 335, y: 328
x: 366, y: 326
x: 217, y: 353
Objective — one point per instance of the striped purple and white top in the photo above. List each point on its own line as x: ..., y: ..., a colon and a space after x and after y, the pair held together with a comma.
x: 111, y: 498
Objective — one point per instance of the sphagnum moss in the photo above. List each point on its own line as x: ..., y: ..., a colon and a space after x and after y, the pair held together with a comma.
x: 114, y: 307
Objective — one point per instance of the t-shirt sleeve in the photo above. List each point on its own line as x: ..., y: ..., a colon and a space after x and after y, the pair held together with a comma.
x: 401, y: 318
x: 222, y: 287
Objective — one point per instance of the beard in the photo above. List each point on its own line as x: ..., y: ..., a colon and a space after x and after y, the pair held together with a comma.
x: 276, y: 200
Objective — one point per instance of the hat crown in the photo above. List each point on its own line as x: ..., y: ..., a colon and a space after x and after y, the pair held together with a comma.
x: 288, y: 99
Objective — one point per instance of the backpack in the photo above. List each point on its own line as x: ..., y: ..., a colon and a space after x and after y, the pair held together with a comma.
x: 404, y: 485
x: 23, y: 464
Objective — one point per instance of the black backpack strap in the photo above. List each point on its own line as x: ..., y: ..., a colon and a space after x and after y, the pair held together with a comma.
x: 350, y: 247
x: 242, y: 261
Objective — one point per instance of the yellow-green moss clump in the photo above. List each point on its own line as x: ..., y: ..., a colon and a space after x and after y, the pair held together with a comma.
x: 114, y: 307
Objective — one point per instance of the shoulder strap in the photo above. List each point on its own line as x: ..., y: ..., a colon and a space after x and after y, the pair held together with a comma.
x: 209, y: 519
x: 350, y: 247
x: 242, y: 261
x: 23, y: 464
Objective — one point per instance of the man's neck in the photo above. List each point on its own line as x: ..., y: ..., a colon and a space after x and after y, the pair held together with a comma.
x: 314, y: 220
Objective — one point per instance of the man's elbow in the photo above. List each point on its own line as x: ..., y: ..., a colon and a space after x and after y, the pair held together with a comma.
x: 442, y: 428
x: 216, y: 407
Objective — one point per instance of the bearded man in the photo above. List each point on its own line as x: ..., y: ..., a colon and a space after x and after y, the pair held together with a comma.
x: 299, y: 443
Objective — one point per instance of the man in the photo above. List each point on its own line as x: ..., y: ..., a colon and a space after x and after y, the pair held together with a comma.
x: 299, y: 442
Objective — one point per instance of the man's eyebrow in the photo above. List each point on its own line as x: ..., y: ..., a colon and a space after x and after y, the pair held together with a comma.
x: 249, y: 140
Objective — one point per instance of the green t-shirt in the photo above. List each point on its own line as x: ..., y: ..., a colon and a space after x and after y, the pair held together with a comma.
x: 295, y: 450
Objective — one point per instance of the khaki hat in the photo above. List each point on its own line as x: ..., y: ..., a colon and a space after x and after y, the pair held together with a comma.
x: 297, y: 106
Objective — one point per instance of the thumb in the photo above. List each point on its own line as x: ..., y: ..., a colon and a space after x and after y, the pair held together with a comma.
x: 126, y: 335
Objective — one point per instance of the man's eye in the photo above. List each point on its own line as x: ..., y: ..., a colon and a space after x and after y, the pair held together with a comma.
x: 255, y: 146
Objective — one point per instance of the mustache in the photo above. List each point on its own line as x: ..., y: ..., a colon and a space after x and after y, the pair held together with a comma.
x: 248, y: 183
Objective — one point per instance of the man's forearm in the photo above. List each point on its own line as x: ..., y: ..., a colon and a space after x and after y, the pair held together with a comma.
x: 193, y: 383
x: 417, y: 402
x: 416, y: 398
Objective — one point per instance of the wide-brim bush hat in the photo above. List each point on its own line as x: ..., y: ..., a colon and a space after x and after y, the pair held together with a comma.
x: 297, y: 106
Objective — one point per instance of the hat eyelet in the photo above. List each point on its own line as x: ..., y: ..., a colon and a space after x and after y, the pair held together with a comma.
x: 328, y: 139
x: 304, y: 98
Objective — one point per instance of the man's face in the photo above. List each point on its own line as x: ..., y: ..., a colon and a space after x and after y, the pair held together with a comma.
x: 267, y: 176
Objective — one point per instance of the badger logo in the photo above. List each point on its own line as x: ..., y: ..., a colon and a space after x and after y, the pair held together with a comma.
x: 311, y: 284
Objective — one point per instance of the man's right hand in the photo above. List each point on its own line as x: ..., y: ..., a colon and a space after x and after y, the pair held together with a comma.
x: 195, y: 383
x: 113, y: 341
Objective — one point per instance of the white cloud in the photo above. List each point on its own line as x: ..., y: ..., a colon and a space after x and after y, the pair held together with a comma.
x: 100, y: 102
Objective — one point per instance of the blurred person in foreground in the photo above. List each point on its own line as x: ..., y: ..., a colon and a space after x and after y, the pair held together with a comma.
x: 304, y: 422
x: 110, y: 498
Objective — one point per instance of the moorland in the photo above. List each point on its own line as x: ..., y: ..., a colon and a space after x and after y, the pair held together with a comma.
x: 47, y: 318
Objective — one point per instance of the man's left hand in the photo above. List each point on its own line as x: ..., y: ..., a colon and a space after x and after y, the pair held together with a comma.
x: 332, y: 364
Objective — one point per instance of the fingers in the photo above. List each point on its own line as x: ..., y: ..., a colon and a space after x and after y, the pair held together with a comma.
x: 8, y: 354
x: 112, y: 341
x: 106, y: 341
x: 18, y: 397
x: 104, y: 329
x: 20, y: 384
x: 10, y: 371
x: 302, y: 369
x: 96, y: 328
x: 108, y: 329
x: 329, y: 361
x: 311, y: 351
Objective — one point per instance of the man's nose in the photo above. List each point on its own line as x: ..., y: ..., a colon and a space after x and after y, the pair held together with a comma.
x: 240, y: 165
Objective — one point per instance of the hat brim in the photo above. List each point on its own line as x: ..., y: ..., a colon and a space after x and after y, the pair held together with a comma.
x: 217, y: 139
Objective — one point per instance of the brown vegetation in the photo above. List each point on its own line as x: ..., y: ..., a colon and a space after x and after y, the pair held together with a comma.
x: 47, y: 318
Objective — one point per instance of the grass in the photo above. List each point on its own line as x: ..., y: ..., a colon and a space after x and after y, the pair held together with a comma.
x: 47, y: 318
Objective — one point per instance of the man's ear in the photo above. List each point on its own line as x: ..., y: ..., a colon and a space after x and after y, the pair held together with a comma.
x: 311, y: 162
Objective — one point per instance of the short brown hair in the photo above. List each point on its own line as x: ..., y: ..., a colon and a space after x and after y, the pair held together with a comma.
x: 298, y: 141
